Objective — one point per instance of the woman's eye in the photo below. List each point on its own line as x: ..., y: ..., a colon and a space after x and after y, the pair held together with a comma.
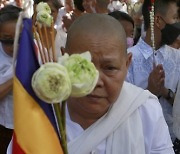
x: 111, y: 68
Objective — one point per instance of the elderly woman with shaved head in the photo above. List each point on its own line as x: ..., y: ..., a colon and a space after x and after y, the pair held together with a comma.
x: 117, y: 117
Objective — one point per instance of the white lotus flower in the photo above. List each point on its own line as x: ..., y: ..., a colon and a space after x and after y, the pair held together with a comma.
x: 82, y: 72
x: 44, y: 18
x: 42, y: 6
x: 51, y: 83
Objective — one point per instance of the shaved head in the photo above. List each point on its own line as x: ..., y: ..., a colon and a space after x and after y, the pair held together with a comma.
x: 96, y: 26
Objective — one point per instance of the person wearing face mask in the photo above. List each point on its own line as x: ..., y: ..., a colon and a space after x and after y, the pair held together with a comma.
x: 158, y: 71
x: 176, y: 43
x: 170, y: 32
x: 8, y: 18
x: 128, y: 25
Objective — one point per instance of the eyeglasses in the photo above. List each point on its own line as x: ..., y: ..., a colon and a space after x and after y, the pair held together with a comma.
x: 7, y: 42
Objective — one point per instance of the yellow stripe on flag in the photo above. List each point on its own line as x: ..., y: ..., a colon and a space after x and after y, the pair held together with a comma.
x: 34, y: 132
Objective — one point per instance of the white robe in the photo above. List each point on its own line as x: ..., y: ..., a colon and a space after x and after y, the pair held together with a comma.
x: 121, y: 127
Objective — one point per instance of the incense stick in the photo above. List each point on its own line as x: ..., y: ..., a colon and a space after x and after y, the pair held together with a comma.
x: 42, y: 43
x: 52, y: 42
x: 46, y: 41
x: 42, y: 56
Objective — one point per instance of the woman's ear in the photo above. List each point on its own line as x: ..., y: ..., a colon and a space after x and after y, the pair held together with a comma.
x: 62, y: 50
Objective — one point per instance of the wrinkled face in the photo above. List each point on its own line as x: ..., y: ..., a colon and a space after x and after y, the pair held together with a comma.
x: 7, y: 33
x: 128, y: 27
x: 108, y: 55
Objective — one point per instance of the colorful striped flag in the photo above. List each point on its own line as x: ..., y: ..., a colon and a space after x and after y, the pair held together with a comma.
x: 35, y: 130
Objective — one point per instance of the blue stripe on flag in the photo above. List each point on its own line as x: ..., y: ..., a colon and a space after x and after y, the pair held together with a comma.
x: 27, y: 64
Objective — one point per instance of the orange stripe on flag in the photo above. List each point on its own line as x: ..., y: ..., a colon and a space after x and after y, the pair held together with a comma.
x: 34, y: 132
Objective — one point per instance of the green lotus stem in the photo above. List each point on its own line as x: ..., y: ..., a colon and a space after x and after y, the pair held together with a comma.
x: 63, y: 114
x: 61, y: 127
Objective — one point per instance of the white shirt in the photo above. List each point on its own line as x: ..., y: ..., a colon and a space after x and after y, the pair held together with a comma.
x: 176, y: 113
x: 142, y: 65
x: 155, y: 130
x: 6, y: 104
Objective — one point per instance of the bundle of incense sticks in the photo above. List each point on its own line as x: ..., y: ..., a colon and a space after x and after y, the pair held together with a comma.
x: 46, y: 45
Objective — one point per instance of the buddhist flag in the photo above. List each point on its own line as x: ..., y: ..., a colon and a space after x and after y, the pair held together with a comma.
x: 35, y: 130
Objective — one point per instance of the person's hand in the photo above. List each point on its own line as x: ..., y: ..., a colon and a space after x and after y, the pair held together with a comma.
x: 156, y: 80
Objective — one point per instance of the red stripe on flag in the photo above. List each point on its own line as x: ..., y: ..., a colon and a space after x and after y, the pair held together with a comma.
x: 16, y: 149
